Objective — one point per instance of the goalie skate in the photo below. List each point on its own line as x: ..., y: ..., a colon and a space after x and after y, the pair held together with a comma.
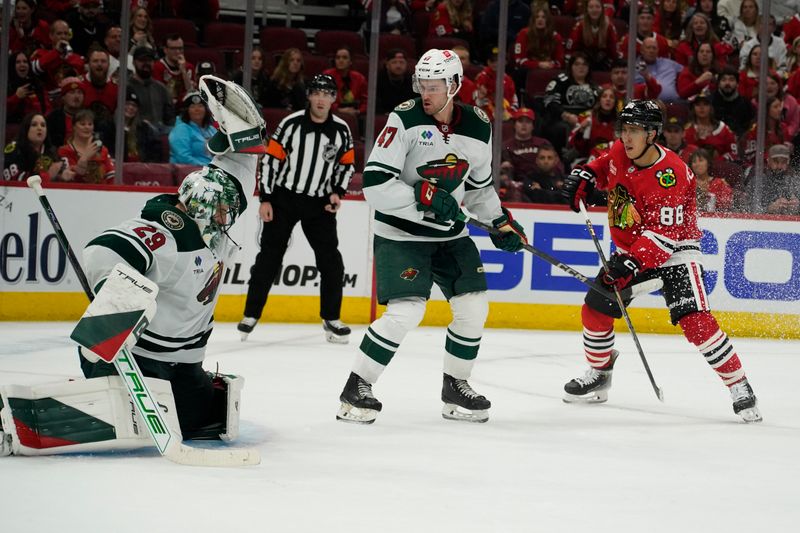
x: 462, y: 403
x: 336, y: 331
x: 745, y: 402
x: 593, y: 386
x: 359, y: 405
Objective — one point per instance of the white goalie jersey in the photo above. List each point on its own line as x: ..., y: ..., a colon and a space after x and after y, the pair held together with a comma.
x: 456, y: 157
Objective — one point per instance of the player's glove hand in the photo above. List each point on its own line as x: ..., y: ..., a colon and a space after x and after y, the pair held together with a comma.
x: 577, y: 187
x: 431, y: 198
x: 512, y: 236
x: 621, y: 270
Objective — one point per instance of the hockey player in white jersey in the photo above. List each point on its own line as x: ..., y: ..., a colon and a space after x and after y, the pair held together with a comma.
x: 179, y: 242
x: 432, y: 155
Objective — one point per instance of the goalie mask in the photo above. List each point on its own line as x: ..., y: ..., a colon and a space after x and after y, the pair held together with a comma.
x: 212, y: 201
x: 241, y: 125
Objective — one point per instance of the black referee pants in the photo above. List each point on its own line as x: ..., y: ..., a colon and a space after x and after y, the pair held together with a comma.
x: 319, y: 227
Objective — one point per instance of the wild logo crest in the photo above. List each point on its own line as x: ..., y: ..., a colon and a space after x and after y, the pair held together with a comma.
x: 206, y: 296
x: 447, y: 173
x: 621, y: 211
x: 409, y: 274
x: 666, y: 178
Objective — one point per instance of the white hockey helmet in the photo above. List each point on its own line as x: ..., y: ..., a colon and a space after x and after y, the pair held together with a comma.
x: 438, y: 64
x: 207, y: 194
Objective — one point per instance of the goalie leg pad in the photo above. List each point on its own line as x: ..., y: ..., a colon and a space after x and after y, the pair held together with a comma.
x: 232, y: 386
x: 78, y: 416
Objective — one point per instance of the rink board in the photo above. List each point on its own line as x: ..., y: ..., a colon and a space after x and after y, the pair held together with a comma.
x: 752, y: 267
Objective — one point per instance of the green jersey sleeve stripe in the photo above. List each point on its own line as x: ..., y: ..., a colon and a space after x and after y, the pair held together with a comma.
x: 375, y: 177
x: 148, y: 255
x: 383, y: 166
x: 123, y: 248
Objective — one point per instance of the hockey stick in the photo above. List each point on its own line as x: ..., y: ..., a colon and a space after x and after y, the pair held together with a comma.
x: 621, y: 304
x: 166, y: 439
x: 627, y: 292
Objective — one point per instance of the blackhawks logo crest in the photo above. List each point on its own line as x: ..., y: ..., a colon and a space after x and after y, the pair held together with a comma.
x: 447, y: 173
x: 409, y: 274
x: 621, y: 211
x: 666, y: 178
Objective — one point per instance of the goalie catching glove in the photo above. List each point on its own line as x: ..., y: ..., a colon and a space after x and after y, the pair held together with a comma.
x: 511, y: 237
x: 241, y: 126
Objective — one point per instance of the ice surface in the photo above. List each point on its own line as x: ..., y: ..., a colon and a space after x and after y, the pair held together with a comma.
x: 538, y: 465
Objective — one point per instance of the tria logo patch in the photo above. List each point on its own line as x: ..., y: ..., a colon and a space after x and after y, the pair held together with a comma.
x: 427, y: 134
x: 447, y: 173
x: 666, y: 178
x: 409, y: 274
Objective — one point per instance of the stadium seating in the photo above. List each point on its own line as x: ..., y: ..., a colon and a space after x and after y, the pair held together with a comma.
x: 273, y: 117
x: 538, y: 79
x: 327, y: 41
x: 224, y: 35
x: 273, y: 38
x: 442, y: 43
x: 195, y: 55
x: 148, y: 174
x: 166, y: 26
x: 563, y: 24
x: 388, y: 41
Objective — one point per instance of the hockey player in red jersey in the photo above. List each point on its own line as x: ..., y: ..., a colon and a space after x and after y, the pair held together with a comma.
x: 652, y: 214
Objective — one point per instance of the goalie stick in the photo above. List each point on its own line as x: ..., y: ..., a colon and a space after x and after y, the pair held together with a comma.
x: 628, y: 292
x: 621, y: 304
x: 166, y: 439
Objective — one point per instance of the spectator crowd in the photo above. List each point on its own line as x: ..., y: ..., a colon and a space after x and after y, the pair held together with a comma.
x: 565, y: 81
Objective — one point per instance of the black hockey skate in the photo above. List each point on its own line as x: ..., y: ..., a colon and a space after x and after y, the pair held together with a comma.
x: 246, y: 326
x: 359, y: 405
x: 593, y: 386
x: 336, y: 331
x: 461, y: 402
x: 744, y: 401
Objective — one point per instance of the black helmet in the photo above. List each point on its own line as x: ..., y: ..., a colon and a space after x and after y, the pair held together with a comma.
x: 321, y: 82
x: 643, y: 113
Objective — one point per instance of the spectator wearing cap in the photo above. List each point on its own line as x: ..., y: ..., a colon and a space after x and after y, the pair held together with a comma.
x: 88, y: 28
x: 664, y: 71
x: 648, y: 88
x: 60, y: 120
x: 674, y: 138
x: 730, y: 106
x: 54, y: 63
x: 155, y: 101
x: 204, y: 68
x: 780, y: 186
x: 645, y: 30
x: 466, y: 94
x: 88, y: 160
x: 259, y: 82
x: 394, y: 82
x: 713, y: 194
x: 351, y: 94
x: 485, y: 87
x: 521, y: 150
x: 777, y: 50
x: 776, y: 132
x: 27, y: 31
x: 173, y: 70
x: 539, y: 46
x: 286, y: 87
x: 189, y: 138
x: 596, y: 132
x: 706, y: 131
x: 595, y: 35
x: 142, y: 142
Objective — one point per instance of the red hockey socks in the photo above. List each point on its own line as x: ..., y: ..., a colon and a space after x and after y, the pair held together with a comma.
x: 598, y: 337
x: 702, y: 330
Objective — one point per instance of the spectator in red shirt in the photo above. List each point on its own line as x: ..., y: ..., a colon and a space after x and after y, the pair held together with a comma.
x: 707, y: 132
x: 594, y: 35
x: 521, y: 151
x: 791, y: 30
x: 452, y: 18
x: 173, y: 70
x: 644, y: 30
x: 466, y: 94
x: 87, y: 159
x: 351, y: 86
x: 485, y: 87
x: 99, y: 94
x: 668, y: 21
x: 597, y: 131
x: 748, y: 76
x: 699, y: 31
x: 674, y: 134
x: 27, y: 31
x: 539, y: 46
x: 25, y: 93
x: 776, y: 132
x: 700, y: 74
x: 58, y: 61
x: 713, y: 194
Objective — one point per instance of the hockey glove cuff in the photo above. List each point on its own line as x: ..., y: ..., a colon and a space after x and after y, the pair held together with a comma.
x: 512, y: 237
x: 621, y: 270
x: 431, y: 198
x: 578, y: 186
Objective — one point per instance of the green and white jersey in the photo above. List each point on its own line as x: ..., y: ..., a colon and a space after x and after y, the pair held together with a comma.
x: 165, y: 245
x: 456, y: 157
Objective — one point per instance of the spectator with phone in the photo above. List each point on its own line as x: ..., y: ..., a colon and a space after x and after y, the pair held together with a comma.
x: 25, y: 93
x: 87, y: 160
x: 58, y: 61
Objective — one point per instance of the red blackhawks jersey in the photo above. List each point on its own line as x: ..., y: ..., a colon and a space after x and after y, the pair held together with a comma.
x: 652, y: 212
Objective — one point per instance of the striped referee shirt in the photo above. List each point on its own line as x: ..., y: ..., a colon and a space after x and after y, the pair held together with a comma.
x: 305, y: 157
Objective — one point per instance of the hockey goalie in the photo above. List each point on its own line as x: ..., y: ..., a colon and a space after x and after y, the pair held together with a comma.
x: 156, y: 281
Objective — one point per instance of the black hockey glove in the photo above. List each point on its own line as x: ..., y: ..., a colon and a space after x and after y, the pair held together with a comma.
x: 512, y: 237
x: 431, y: 198
x: 578, y: 186
x: 621, y: 270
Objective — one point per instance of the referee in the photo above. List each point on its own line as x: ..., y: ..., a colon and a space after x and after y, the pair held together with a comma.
x: 308, y: 164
